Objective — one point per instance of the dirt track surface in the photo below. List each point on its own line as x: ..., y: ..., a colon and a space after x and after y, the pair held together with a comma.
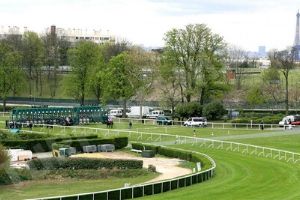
x: 167, y: 167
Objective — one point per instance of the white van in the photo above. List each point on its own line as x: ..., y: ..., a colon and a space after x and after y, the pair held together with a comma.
x: 155, y: 113
x: 115, y: 113
x: 287, y: 120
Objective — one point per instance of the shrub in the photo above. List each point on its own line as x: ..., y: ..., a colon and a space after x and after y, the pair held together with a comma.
x: 174, y: 153
x: 83, y: 163
x: 142, y: 147
x: 4, y: 158
x: 29, y: 136
x: 119, y: 143
x: 12, y: 176
x: 39, y: 145
x: 274, y: 119
x: 214, y: 110
x: 151, y: 168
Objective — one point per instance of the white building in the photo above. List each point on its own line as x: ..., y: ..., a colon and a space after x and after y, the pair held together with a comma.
x: 74, y: 34
x: 12, y: 30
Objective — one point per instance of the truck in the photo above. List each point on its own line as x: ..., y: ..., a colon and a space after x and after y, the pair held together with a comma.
x: 139, y: 111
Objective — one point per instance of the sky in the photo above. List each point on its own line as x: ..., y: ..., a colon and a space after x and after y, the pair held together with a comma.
x: 244, y: 23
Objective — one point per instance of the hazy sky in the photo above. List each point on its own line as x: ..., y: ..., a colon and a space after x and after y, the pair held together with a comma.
x: 245, y: 23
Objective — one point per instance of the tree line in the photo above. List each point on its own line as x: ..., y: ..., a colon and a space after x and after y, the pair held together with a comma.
x: 189, y: 68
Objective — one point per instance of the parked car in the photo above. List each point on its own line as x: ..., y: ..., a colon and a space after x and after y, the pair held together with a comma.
x: 163, y: 120
x: 196, y: 121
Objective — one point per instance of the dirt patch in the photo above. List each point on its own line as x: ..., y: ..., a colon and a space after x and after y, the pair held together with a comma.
x: 166, y: 166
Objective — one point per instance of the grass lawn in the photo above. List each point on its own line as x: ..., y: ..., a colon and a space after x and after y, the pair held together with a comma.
x: 286, y: 142
x: 238, y: 176
x: 43, y: 188
x: 241, y: 176
x: 138, y: 127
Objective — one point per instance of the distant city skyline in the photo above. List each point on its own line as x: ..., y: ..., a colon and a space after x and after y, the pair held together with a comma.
x: 247, y: 24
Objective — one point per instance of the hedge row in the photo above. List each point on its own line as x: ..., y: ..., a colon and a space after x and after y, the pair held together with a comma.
x: 24, y: 136
x: 40, y: 145
x: 257, y: 120
x: 174, y: 153
x: 83, y: 163
x: 119, y: 143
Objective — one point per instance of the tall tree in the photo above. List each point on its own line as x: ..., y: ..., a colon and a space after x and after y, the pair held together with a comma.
x: 113, y: 49
x: 83, y: 58
x: 97, y: 77
x: 170, y: 80
x: 51, y: 61
x: 10, y: 72
x: 284, y: 61
x: 198, y: 53
x: 272, y: 84
x: 33, y: 55
x: 63, y: 47
x: 236, y: 59
x: 146, y: 63
x: 123, y: 78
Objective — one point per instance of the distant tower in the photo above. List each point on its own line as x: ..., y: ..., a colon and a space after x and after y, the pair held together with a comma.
x: 297, y: 39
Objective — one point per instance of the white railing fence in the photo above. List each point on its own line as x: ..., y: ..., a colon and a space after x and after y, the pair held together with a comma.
x: 169, y: 139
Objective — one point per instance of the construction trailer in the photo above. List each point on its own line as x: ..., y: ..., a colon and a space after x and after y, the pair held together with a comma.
x: 60, y: 115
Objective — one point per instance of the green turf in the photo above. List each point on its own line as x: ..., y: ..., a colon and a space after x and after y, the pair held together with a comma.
x: 286, y: 142
x: 241, y: 176
x: 238, y: 176
x: 34, y: 189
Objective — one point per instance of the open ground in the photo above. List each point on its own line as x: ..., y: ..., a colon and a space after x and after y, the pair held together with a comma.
x: 238, y: 176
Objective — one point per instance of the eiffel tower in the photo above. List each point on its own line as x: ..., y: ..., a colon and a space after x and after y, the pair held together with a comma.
x: 297, y: 39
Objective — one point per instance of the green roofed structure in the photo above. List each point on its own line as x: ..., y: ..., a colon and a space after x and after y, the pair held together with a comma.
x: 60, y: 115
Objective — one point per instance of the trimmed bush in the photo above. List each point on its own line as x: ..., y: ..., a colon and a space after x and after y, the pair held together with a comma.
x: 40, y: 145
x: 32, y: 136
x: 83, y: 163
x: 119, y: 143
x: 174, y: 153
x: 274, y: 119
x: 140, y: 146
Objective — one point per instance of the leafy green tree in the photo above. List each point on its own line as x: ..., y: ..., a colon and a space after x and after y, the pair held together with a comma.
x: 284, y: 61
x: 33, y: 57
x: 272, y: 84
x: 214, y: 110
x: 51, y: 61
x: 189, y: 109
x: 63, y: 47
x: 83, y: 58
x: 170, y: 81
x: 10, y: 72
x: 113, y: 49
x: 123, y: 78
x: 146, y: 64
x: 199, y: 54
x: 97, y: 80
x: 255, y: 96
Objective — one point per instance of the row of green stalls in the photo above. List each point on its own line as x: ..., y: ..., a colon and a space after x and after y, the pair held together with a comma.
x: 60, y: 115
